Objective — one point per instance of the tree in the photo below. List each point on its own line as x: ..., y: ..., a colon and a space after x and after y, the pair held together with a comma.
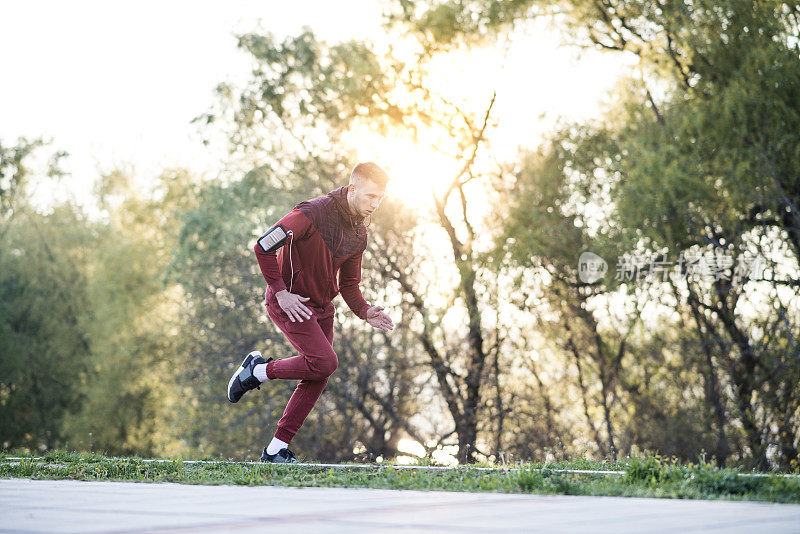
x: 42, y: 304
x: 44, y: 345
x: 703, y: 166
x: 16, y: 169
x: 130, y: 403
x: 721, y: 146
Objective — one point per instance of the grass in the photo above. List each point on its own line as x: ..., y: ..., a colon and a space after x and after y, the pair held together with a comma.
x: 649, y: 475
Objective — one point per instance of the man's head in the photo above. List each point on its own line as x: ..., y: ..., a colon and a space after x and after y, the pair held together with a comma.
x: 366, y: 189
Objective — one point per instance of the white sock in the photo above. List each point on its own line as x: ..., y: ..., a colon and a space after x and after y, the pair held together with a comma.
x: 260, y: 372
x: 275, y: 445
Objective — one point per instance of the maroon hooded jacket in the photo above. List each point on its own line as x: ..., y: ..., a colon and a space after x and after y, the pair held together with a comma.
x: 327, y: 241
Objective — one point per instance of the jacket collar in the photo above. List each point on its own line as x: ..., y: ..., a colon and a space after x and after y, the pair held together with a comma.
x: 340, y: 197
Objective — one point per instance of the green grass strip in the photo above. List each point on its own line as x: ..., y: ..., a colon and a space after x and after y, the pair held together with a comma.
x: 646, y: 476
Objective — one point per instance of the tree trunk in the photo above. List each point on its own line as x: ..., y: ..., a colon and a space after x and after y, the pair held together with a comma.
x: 498, y: 440
x: 607, y: 412
x: 467, y: 434
x: 708, y: 335
x: 584, y: 394
x: 743, y: 376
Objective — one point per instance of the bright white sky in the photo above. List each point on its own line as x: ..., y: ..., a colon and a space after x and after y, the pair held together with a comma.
x: 117, y: 83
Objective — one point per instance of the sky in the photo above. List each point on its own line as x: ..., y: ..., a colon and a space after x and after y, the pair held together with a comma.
x: 118, y: 83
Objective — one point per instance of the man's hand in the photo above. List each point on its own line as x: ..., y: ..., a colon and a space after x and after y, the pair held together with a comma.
x: 293, y: 305
x: 378, y: 319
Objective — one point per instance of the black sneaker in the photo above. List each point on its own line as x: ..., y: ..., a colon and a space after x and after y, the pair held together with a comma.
x: 283, y: 456
x: 243, y: 380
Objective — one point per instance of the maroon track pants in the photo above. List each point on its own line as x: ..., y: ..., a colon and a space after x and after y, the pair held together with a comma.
x: 316, y: 361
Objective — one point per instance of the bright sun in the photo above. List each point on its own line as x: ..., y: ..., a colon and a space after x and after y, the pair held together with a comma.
x: 428, y: 164
x: 414, y: 169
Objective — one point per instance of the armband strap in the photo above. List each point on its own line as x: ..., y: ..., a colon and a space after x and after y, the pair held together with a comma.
x: 273, y: 239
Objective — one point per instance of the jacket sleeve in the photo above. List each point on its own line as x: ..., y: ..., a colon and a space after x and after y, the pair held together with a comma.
x: 298, y: 223
x: 349, y: 277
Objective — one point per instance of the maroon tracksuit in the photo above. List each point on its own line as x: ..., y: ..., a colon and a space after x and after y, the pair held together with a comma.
x: 327, y: 241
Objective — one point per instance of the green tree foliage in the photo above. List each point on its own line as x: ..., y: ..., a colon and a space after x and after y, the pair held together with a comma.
x: 706, y: 167
x: 443, y: 25
x: 87, y: 320
x: 15, y: 171
x: 129, y: 393
x: 43, y: 316
x: 710, y: 170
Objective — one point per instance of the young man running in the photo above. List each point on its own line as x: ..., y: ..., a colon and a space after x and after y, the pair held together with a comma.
x: 300, y: 258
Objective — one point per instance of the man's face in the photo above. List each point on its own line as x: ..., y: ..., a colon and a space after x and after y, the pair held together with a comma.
x: 366, y: 197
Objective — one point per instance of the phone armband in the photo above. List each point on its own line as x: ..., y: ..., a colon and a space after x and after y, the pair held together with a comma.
x: 273, y: 239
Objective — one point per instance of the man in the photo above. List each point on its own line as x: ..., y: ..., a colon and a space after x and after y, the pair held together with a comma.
x: 300, y: 258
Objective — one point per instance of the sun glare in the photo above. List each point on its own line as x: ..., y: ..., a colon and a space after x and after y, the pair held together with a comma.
x: 429, y: 163
x: 415, y: 170
x: 442, y: 455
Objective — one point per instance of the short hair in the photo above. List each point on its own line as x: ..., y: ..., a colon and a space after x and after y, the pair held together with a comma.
x: 369, y: 171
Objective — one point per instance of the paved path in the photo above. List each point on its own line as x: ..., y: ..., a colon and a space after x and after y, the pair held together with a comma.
x: 71, y: 506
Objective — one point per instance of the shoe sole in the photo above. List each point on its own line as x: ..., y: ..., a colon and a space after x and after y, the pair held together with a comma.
x: 247, y: 359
